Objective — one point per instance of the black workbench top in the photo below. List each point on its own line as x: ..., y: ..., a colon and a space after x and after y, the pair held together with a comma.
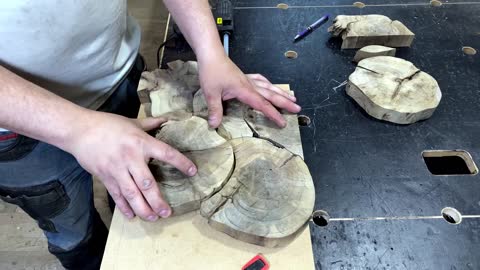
x: 362, y: 167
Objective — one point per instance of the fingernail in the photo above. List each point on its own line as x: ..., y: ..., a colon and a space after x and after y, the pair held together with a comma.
x: 165, y: 213
x: 298, y: 107
x: 129, y: 215
x: 146, y: 183
x: 192, y: 171
x: 152, y: 218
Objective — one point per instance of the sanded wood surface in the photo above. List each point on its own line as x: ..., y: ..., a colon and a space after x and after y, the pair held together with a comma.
x: 372, y: 51
x: 394, y: 90
x: 264, y: 128
x: 192, y: 134
x: 169, y: 92
x: 212, y: 154
x: 188, y: 242
x: 268, y: 198
x: 362, y: 30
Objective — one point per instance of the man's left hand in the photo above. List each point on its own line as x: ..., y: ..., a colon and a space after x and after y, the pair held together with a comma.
x: 222, y: 80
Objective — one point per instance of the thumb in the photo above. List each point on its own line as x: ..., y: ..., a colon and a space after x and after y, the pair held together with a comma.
x: 215, y: 110
x: 150, y: 123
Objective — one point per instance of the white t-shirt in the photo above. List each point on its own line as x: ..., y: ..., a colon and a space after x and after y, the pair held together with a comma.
x: 77, y: 49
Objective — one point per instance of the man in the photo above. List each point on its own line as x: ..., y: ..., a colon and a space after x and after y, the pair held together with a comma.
x: 65, y: 67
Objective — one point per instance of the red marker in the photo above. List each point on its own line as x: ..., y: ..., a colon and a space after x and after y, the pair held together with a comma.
x: 257, y: 263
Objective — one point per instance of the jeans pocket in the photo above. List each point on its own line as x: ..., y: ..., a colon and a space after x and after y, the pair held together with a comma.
x: 14, y: 146
x: 41, y: 202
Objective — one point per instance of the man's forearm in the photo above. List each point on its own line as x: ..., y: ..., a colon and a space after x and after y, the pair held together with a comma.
x: 30, y: 110
x: 195, y: 19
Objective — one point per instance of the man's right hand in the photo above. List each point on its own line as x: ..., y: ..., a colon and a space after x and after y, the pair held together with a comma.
x: 112, y: 147
x: 116, y: 150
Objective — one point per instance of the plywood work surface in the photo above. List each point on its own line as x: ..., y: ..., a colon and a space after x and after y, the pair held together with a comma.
x: 187, y: 242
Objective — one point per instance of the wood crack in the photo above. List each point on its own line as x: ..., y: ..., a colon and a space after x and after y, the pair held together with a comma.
x: 400, y: 83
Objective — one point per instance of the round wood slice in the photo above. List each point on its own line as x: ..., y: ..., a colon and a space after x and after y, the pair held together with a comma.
x: 394, y: 90
x: 183, y: 193
x: 212, y: 155
x: 190, y: 135
x: 268, y: 199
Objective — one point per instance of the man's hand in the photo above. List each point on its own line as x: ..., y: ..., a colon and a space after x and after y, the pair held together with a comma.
x: 116, y: 150
x: 112, y: 147
x: 221, y: 80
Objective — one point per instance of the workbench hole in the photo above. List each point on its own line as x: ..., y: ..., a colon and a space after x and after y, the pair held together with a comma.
x: 449, y: 162
x: 435, y: 3
x: 282, y: 6
x: 469, y: 50
x: 304, y: 120
x: 321, y: 218
x: 359, y: 4
x: 291, y: 54
x: 451, y: 215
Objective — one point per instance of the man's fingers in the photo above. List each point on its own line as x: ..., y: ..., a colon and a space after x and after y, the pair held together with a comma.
x: 273, y: 88
x: 215, y: 110
x: 150, y: 123
x: 120, y: 201
x: 149, y: 188
x: 259, y: 77
x: 164, y: 152
x: 134, y: 197
x: 260, y: 81
x: 279, y: 100
x: 256, y: 101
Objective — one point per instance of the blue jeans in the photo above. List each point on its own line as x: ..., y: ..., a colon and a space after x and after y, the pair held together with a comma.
x: 49, y: 185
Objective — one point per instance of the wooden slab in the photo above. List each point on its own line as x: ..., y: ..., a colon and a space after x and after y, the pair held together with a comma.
x: 362, y: 30
x: 188, y: 242
x: 394, y: 90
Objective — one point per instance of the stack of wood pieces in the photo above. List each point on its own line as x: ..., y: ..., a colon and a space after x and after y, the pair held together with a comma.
x: 362, y: 30
x: 251, y: 182
x: 394, y: 90
x: 386, y: 87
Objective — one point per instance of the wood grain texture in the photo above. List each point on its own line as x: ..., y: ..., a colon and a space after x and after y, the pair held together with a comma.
x: 373, y: 50
x: 362, y: 30
x: 265, y: 128
x: 234, y: 127
x: 169, y: 92
x: 268, y: 198
x: 200, y: 107
x: 209, y: 151
x: 184, y: 194
x: 234, y: 124
x: 241, y: 121
x: 166, y: 243
x: 394, y: 90
x: 192, y: 134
